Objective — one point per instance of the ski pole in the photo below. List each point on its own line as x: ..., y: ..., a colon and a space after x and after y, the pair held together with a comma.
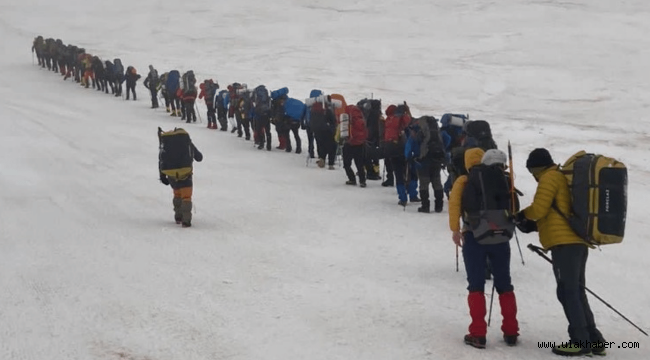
x: 491, y: 302
x: 539, y: 251
x: 512, y: 197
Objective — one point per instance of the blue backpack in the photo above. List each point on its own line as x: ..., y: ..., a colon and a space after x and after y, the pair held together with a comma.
x: 295, y: 109
x: 172, y: 82
x: 275, y: 94
x: 222, y: 100
x: 451, y: 126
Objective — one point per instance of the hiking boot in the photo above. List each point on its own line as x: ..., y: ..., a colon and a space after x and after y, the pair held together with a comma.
x: 351, y: 182
x: 598, y: 348
x: 248, y: 137
x: 475, y: 341
x: 331, y: 167
x: 415, y: 199
x: 320, y: 163
x: 401, y: 203
x: 233, y: 130
x: 362, y: 184
x: 571, y: 348
x: 298, y: 150
x: 511, y: 340
x: 424, y: 209
x: 374, y: 177
x: 186, y: 224
x: 388, y: 183
x: 260, y: 146
x: 311, y: 155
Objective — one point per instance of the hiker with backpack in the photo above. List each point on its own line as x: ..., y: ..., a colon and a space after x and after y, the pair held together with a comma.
x: 222, y: 101
x: 187, y: 93
x: 569, y: 252
x: 482, y: 199
x: 451, y: 131
x: 152, y: 82
x: 175, y: 159
x: 424, y: 150
x: 261, y: 101
x: 118, y: 75
x: 208, y: 92
x: 398, y: 119
x: 305, y: 124
x: 354, y: 135
x: 371, y: 109
x: 131, y: 78
x: 322, y: 122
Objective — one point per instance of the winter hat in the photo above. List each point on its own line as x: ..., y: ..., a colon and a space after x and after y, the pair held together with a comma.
x: 539, y: 158
x: 494, y: 156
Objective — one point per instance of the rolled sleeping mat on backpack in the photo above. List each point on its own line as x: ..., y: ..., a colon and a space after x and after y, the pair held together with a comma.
x: 243, y: 91
x: 337, y: 104
x: 456, y: 121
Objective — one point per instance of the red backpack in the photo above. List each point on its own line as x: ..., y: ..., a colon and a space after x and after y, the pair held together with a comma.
x: 358, y: 130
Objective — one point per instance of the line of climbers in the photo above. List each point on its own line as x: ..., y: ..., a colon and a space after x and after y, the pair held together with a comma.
x: 483, y: 202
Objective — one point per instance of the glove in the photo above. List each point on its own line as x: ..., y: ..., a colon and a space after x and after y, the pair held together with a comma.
x: 519, y: 218
x: 527, y: 226
x: 163, y: 179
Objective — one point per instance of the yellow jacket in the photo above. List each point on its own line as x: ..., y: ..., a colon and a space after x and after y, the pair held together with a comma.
x: 472, y: 157
x: 553, y: 228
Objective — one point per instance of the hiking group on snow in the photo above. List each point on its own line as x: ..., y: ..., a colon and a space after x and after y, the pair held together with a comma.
x: 577, y: 206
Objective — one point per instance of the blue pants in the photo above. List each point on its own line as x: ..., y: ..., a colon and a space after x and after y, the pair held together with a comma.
x: 475, y: 257
x: 402, y: 184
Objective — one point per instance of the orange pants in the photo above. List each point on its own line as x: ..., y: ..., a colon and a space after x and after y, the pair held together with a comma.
x: 185, y: 193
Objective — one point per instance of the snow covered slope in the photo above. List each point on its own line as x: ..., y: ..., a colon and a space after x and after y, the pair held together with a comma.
x: 284, y: 261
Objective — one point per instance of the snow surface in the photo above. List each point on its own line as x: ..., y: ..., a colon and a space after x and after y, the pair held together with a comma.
x: 284, y: 261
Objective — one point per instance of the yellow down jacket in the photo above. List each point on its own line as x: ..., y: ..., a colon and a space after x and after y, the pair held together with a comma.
x: 472, y: 157
x: 553, y: 228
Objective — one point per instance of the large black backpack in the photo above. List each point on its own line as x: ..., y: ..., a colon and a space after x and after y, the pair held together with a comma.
x: 175, y: 154
x: 479, y: 134
x: 487, y: 204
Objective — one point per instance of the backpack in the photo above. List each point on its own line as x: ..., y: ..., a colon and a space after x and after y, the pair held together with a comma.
x: 312, y: 95
x: 189, y: 81
x: 275, y: 94
x: 295, y: 109
x: 175, y: 154
x: 357, y: 130
x: 598, y: 186
x: 261, y: 99
x: 118, y: 68
x: 487, y: 204
x: 457, y: 165
x: 222, y: 99
x: 429, y: 138
x: 478, y: 134
x: 452, y: 125
x: 173, y: 82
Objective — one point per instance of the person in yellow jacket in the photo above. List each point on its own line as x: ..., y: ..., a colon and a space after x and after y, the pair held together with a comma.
x: 569, y: 253
x: 475, y: 256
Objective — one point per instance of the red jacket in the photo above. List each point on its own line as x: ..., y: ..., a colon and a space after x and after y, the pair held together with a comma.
x: 358, y: 130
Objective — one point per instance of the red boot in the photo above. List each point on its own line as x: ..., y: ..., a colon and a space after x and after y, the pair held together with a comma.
x: 510, y: 326
x: 478, y: 327
x: 283, y: 143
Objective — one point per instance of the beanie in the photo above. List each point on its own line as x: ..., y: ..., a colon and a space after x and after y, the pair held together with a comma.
x: 494, y: 156
x: 539, y: 157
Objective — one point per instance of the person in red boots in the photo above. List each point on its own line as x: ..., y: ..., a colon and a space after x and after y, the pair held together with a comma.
x: 464, y: 197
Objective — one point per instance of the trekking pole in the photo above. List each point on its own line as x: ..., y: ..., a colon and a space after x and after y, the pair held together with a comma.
x: 539, y: 251
x: 491, y: 302
x: 456, y: 258
x: 512, y: 197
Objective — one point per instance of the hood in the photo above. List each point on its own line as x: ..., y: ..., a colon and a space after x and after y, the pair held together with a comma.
x: 390, y: 110
x: 473, y: 157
